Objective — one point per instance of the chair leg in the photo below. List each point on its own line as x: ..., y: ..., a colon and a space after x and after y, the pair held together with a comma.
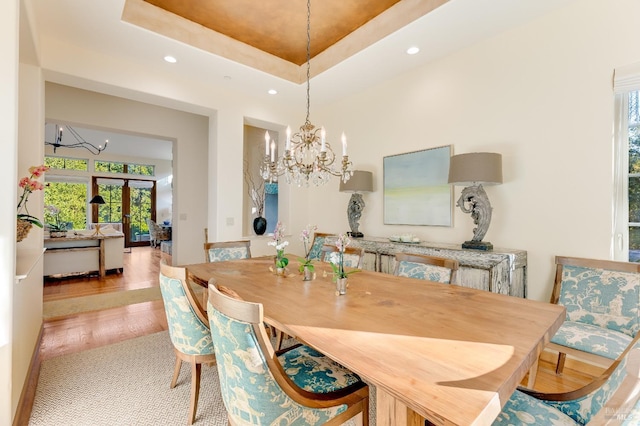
x: 176, y: 372
x: 196, y: 369
x: 560, y: 366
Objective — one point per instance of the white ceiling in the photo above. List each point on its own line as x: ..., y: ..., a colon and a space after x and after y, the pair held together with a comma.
x: 96, y: 25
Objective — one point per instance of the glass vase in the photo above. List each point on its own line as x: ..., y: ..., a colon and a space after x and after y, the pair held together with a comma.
x: 341, y: 286
x: 307, y: 274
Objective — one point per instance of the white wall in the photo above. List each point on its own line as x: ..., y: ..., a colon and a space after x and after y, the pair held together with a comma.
x: 190, y: 131
x: 541, y: 95
x: 8, y: 173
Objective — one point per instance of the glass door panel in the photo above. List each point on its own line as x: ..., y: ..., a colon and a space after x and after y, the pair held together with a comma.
x: 141, y: 199
x: 128, y: 201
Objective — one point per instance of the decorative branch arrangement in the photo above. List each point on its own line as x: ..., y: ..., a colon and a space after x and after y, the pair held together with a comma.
x: 256, y: 190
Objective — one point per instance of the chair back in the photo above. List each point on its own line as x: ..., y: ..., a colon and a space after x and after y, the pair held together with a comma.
x: 431, y: 268
x: 227, y: 250
x: 601, y: 293
x: 186, y: 319
x: 353, y: 256
x: 252, y: 381
x: 315, y: 251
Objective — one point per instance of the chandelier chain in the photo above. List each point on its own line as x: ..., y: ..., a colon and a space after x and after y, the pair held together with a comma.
x: 308, y: 157
x: 308, y: 59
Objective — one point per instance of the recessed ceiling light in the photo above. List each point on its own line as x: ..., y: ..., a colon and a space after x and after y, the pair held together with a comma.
x: 170, y: 59
x: 272, y: 92
x: 227, y: 77
x: 413, y: 50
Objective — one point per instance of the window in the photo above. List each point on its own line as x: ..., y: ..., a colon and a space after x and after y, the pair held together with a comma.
x: 71, y: 199
x: 625, y: 243
x: 64, y: 163
x: 127, y: 168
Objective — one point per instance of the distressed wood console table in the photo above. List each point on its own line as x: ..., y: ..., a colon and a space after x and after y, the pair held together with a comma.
x: 501, y: 271
x: 76, y: 254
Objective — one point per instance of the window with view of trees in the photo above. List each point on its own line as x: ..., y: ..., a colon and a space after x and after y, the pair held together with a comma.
x: 128, y: 168
x: 64, y: 163
x: 634, y: 176
x: 71, y: 199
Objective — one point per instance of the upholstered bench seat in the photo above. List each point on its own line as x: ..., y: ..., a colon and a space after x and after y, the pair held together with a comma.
x: 592, y: 339
x: 523, y: 409
x: 314, y: 372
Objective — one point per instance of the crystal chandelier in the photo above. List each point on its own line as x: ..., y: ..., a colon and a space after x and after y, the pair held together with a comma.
x: 308, y: 156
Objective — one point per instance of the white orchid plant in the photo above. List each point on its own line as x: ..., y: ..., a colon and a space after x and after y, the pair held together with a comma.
x: 279, y: 243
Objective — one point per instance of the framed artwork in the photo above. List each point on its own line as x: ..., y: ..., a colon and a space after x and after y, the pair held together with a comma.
x: 416, y: 191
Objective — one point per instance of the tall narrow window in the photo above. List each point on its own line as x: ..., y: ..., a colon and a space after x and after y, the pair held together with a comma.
x: 625, y: 242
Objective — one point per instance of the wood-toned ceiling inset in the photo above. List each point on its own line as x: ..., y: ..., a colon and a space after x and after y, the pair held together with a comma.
x: 279, y: 27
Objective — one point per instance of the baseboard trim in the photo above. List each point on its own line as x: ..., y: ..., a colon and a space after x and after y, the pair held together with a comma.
x: 28, y: 394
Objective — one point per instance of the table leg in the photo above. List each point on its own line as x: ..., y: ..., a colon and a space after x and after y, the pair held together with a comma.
x: 391, y: 412
x: 101, y: 257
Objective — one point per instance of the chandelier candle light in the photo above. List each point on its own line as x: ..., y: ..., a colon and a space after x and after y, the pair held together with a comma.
x: 79, y: 143
x: 307, y: 154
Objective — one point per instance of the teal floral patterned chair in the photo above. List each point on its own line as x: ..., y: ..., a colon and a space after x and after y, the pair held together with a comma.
x: 602, y: 299
x: 298, y: 387
x: 610, y: 399
x: 353, y: 256
x: 188, y: 328
x: 315, y: 251
x: 227, y: 250
x: 425, y: 267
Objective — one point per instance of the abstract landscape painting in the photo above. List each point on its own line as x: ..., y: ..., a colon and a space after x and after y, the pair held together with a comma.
x: 416, y: 191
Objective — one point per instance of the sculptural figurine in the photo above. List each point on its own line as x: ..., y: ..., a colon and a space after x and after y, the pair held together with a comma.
x: 354, y: 211
x: 474, y: 200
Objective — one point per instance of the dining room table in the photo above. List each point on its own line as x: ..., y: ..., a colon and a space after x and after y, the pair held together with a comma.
x: 448, y: 354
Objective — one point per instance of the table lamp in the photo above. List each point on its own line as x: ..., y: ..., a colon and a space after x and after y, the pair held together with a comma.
x: 473, y: 170
x: 360, y: 182
x: 97, y: 199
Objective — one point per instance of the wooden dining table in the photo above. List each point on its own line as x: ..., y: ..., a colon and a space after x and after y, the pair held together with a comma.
x: 445, y: 353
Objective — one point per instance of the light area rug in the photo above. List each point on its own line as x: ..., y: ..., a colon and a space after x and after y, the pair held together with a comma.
x: 97, y: 302
x: 127, y: 383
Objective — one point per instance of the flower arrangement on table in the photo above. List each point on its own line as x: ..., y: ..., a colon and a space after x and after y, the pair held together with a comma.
x: 55, y: 225
x: 336, y: 259
x: 306, y: 263
x: 279, y: 243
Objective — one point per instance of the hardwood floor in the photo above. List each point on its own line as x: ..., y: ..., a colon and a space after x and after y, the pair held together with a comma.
x: 75, y: 333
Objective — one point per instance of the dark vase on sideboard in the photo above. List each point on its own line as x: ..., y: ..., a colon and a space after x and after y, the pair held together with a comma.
x: 259, y: 225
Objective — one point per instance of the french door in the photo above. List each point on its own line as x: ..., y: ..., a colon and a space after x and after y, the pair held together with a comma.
x: 130, y: 201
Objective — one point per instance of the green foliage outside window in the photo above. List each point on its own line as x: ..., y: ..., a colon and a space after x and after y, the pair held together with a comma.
x: 63, y: 163
x: 71, y: 199
x: 109, y: 167
x: 129, y: 168
x: 634, y: 170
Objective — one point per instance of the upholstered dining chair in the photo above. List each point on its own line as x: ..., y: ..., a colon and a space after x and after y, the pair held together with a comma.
x: 315, y: 251
x: 188, y: 328
x: 157, y: 233
x: 227, y: 250
x: 258, y: 386
x: 432, y: 268
x: 615, y: 393
x: 353, y: 256
x: 602, y: 299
